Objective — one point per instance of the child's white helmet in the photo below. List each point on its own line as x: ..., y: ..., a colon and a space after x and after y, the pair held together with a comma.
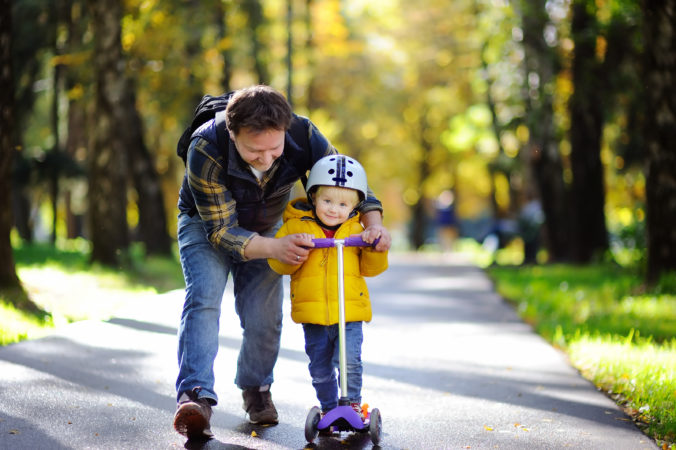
x: 340, y: 171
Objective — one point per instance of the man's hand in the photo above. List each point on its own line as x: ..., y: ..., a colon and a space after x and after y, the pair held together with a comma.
x: 294, y: 249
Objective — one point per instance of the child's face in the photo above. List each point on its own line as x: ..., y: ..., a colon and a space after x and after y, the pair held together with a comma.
x: 333, y: 205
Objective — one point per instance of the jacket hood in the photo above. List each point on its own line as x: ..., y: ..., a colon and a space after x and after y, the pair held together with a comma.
x: 298, y: 209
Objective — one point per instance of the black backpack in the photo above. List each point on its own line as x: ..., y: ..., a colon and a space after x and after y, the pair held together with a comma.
x: 209, y: 107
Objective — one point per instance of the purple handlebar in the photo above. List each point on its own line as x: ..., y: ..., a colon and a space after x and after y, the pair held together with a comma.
x: 350, y: 241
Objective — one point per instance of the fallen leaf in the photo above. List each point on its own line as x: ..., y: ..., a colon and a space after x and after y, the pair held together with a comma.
x: 487, y: 428
x: 254, y: 434
x: 517, y: 424
x: 14, y: 431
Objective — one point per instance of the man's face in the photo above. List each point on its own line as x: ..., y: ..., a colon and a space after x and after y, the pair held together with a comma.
x: 259, y: 149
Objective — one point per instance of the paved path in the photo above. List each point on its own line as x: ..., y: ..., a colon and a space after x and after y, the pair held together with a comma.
x: 447, y: 362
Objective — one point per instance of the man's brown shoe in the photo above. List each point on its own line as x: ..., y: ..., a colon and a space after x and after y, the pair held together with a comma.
x: 193, y: 415
x: 258, y: 405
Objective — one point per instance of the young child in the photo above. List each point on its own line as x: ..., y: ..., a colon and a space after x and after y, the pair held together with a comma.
x: 336, y: 185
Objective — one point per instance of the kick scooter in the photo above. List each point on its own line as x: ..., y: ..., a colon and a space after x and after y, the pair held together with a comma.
x: 342, y: 417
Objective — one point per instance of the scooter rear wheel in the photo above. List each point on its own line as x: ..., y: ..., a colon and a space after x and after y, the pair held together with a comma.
x: 375, y: 426
x: 311, y: 424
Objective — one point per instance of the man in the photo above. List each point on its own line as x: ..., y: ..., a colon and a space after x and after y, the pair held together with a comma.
x: 230, y: 207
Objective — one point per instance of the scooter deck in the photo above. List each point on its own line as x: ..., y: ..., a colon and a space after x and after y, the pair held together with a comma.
x: 344, y: 418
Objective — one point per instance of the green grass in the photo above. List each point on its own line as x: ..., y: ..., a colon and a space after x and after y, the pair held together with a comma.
x: 17, y: 325
x: 62, y: 282
x: 617, y: 333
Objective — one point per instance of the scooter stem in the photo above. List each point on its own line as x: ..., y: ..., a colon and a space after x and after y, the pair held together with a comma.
x: 341, y: 320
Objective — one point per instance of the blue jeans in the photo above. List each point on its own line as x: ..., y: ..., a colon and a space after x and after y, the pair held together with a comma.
x: 258, y: 302
x: 321, y: 345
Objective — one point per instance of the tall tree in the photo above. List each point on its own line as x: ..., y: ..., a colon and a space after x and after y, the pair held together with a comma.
x: 289, y: 51
x: 32, y: 31
x: 254, y: 11
x: 8, y: 276
x: 590, y: 237
x: 107, y: 160
x: 660, y: 135
x: 77, y: 132
x: 221, y: 16
x: 152, y: 215
x: 309, y: 50
x: 542, y: 152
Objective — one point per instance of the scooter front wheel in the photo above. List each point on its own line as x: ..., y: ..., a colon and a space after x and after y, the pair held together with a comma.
x: 375, y: 426
x: 311, y: 424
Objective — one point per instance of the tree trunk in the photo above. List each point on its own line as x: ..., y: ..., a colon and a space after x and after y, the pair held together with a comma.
x: 660, y: 135
x: 310, y: 48
x: 221, y: 15
x: 419, y: 219
x: 289, y: 51
x: 8, y: 276
x: 590, y: 239
x: 78, y: 127
x: 152, y: 215
x: 76, y: 142
x: 107, y: 162
x: 541, y: 154
x: 256, y: 21
x: 21, y: 204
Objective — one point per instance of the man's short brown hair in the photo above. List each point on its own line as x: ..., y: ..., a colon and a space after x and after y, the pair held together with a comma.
x: 258, y: 108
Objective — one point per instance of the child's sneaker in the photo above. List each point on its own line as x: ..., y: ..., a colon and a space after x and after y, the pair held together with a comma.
x: 359, y: 410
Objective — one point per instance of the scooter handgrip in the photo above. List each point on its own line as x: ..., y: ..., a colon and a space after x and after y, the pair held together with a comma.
x: 323, y: 242
x: 350, y: 241
x: 357, y: 241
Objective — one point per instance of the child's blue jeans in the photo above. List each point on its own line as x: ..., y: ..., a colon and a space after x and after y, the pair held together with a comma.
x: 321, y: 345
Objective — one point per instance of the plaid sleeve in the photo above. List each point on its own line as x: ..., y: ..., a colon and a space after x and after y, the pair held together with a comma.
x: 213, y: 201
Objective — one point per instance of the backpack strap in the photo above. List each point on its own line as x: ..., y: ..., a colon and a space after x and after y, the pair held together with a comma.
x: 299, y: 134
x: 222, y: 137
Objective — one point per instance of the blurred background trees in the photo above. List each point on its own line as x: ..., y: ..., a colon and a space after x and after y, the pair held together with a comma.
x: 535, y: 115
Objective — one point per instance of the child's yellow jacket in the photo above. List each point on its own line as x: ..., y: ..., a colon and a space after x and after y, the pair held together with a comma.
x: 314, y: 284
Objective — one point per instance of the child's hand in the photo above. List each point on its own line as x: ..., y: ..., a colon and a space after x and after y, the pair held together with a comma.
x: 306, y: 237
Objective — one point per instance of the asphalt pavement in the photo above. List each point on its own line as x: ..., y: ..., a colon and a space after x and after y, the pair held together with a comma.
x: 446, y: 361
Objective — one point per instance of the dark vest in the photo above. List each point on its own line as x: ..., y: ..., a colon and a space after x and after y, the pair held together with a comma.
x: 258, y: 209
